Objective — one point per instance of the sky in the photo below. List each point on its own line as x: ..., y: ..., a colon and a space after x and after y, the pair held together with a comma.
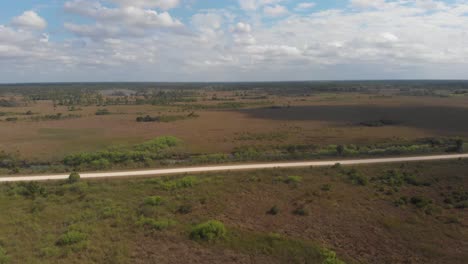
x: 231, y: 40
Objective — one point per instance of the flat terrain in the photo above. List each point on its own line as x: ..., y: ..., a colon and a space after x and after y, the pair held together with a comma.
x: 320, y: 119
x: 387, y: 213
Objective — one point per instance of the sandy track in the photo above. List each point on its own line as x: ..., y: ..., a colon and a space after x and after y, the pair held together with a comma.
x: 155, y: 172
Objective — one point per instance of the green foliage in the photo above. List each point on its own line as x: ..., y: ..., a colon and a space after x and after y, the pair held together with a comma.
x: 151, y: 150
x: 58, y: 116
x: 103, y: 112
x: 273, y: 210
x: 457, y: 199
x: 74, y: 177
x: 302, y: 211
x: 154, y: 200
x: 420, y: 202
x: 285, y: 250
x: 175, y: 184
x: 402, y: 201
x: 28, y: 189
x: 185, y: 209
x: 293, y: 180
x: 154, y: 224
x: 165, y: 118
x: 330, y: 257
x: 4, y: 259
x: 357, y: 178
x: 394, y: 178
x: 71, y: 237
x: 209, y: 231
x: 326, y: 187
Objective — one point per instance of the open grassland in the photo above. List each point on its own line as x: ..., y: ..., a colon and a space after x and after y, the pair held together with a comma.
x: 394, y: 213
x: 222, y: 130
x: 44, y: 124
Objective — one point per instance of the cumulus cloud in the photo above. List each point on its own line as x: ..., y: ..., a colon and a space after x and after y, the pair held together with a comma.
x: 305, y: 6
x: 275, y: 11
x: 141, y: 41
x: 162, y: 4
x: 130, y: 15
x: 368, y: 3
x: 252, y: 5
x: 29, y: 20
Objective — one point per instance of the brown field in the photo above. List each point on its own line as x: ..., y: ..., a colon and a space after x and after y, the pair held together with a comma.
x: 318, y: 119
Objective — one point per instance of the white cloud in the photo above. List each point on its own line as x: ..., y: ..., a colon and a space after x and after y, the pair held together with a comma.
x: 162, y: 4
x: 129, y: 15
x: 368, y: 3
x: 411, y: 39
x: 389, y: 37
x: 275, y: 11
x: 305, y: 6
x: 252, y: 5
x: 29, y: 20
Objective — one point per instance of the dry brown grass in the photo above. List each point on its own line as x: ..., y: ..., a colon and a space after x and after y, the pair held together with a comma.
x: 320, y: 119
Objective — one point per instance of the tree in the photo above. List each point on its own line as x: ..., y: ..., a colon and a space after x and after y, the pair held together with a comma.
x: 459, y: 143
x: 340, y: 150
x: 74, y: 177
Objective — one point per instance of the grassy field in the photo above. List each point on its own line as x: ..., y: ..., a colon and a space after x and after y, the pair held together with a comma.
x: 413, y: 212
x: 226, y: 120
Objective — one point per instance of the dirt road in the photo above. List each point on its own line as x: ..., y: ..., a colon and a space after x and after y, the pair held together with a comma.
x: 155, y: 172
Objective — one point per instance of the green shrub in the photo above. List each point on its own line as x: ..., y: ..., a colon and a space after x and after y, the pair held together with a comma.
x: 326, y: 187
x: 30, y: 189
x: 185, y: 182
x: 330, y: 257
x: 70, y: 238
x: 208, y: 231
x: 420, y: 201
x: 102, y: 112
x: 74, y: 177
x: 273, y: 211
x: 356, y: 178
x: 302, y: 211
x: 402, y: 201
x: 154, y: 200
x: 294, y: 180
x: 4, y: 259
x: 184, y: 209
x: 154, y: 224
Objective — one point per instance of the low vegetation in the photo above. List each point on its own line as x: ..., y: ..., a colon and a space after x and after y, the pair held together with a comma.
x: 262, y: 216
x: 208, y: 231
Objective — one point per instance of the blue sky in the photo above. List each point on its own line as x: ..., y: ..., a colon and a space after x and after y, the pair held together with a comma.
x: 233, y: 40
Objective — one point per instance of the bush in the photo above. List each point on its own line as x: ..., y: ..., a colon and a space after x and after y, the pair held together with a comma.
x: 185, y: 209
x: 4, y: 259
x: 158, y: 225
x: 70, y: 238
x: 402, y: 201
x: 30, y: 189
x: 208, y: 231
x: 273, y: 211
x: 420, y: 201
x: 330, y: 257
x: 74, y: 177
x: 102, y: 112
x: 154, y: 200
x: 289, y: 180
x: 356, y: 178
x: 326, y: 187
x: 302, y: 211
